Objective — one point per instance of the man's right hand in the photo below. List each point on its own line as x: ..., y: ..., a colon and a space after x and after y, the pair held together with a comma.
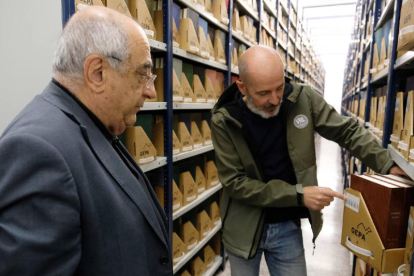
x: 317, y: 198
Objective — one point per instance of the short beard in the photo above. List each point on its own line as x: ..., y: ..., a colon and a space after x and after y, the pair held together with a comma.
x: 261, y: 111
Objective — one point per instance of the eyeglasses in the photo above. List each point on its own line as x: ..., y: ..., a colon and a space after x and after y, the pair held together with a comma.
x: 149, y: 78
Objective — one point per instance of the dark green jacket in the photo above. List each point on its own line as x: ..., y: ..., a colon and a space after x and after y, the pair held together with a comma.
x: 245, y: 195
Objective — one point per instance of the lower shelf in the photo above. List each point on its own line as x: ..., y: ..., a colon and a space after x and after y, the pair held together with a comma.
x: 217, y: 262
x: 194, y: 251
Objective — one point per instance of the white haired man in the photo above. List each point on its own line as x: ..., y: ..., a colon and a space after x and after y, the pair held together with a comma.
x: 73, y: 201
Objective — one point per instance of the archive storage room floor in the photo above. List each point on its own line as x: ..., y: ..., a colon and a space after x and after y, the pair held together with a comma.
x: 355, y: 53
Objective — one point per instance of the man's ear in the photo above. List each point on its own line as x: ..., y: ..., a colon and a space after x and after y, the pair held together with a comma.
x: 93, y: 72
x: 241, y: 87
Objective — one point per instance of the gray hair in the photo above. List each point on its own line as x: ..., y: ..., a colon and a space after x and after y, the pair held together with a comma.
x: 95, y: 34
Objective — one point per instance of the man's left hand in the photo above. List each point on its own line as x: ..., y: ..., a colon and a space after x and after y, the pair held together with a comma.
x: 399, y: 172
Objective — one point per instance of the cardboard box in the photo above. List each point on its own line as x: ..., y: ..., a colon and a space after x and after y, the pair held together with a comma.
x: 220, y: 11
x: 177, y: 196
x: 215, y: 214
x: 196, y: 135
x: 204, y: 51
x: 140, y: 12
x: 200, y: 181
x: 188, y: 188
x: 360, y: 236
x: 407, y: 139
x: 159, y: 25
x: 209, y: 256
x: 219, y: 41
x: 179, y: 249
x: 406, y: 32
x: 189, y: 235
x: 211, y: 174
x: 81, y: 4
x: 188, y: 36
x: 375, y: 61
x: 236, y: 22
x: 139, y: 145
x: 185, y: 138
x: 397, y: 127
x: 198, y: 268
x: 203, y: 224
x: 206, y: 133
x: 159, y: 81
x: 361, y: 268
x: 185, y: 273
x: 118, y: 5
x: 178, y: 93
x: 210, y: 48
x: 188, y: 92
x: 199, y: 91
x: 210, y: 90
x: 176, y: 144
x: 409, y: 244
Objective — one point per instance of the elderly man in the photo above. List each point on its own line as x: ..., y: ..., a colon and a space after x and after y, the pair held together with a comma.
x: 263, y: 133
x: 73, y: 201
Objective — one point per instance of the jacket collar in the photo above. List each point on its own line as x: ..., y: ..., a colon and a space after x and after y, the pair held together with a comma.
x: 102, y: 150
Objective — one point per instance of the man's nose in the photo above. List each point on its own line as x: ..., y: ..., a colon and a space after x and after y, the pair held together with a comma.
x: 275, y: 99
x: 150, y: 92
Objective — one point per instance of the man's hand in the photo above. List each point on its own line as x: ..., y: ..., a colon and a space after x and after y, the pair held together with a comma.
x: 399, y: 172
x: 317, y: 198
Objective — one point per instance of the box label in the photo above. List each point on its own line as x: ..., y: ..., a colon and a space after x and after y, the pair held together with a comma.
x: 352, y: 202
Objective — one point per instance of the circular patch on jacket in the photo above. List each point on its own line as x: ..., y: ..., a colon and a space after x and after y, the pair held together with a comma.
x: 301, y: 121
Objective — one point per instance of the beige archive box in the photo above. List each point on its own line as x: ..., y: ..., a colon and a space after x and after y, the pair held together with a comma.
x: 209, y: 256
x: 200, y: 95
x: 198, y: 268
x: 360, y: 236
x: 188, y: 36
x: 204, y: 51
x: 406, y: 33
x: 203, y: 224
x: 407, y: 139
x: 177, y: 196
x: 210, y: 48
x: 398, y: 125
x: 220, y: 11
x: 188, y: 91
x: 179, y: 249
x: 81, y: 4
x: 408, y: 245
x: 139, y: 145
x: 211, y: 174
x: 118, y: 5
x: 206, y: 133
x: 189, y: 235
x: 210, y: 90
x: 178, y: 93
x: 200, y: 181
x: 140, y: 12
x: 185, y: 273
x: 188, y: 188
x: 196, y: 135
x: 215, y: 214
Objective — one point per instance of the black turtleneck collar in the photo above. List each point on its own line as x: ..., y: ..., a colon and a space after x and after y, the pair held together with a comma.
x: 93, y: 117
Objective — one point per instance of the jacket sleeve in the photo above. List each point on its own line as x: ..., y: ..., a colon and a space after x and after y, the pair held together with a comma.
x: 39, y: 209
x: 238, y: 185
x: 349, y: 134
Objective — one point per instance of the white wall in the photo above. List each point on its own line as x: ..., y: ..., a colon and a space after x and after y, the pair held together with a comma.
x: 28, y: 34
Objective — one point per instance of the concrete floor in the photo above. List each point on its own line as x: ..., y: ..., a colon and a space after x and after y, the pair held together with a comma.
x: 330, y: 257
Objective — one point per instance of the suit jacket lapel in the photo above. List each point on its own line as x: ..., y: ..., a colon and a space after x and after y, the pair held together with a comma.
x: 106, y: 154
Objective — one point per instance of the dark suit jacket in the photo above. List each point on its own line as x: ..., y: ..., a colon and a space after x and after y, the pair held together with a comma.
x: 68, y: 203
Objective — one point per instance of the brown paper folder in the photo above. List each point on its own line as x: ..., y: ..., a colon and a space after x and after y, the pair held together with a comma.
x: 188, y: 92
x: 196, y: 135
x: 203, y: 224
x: 188, y: 36
x: 188, y: 188
x: 397, y: 127
x: 179, y: 249
x: 206, y: 133
x: 139, y: 145
x: 385, y: 205
x: 407, y: 202
x: 140, y: 12
x: 118, y: 5
x: 199, y: 91
x: 178, y: 93
x: 211, y: 174
x: 209, y: 256
x: 185, y: 138
x: 189, y: 235
x: 220, y: 11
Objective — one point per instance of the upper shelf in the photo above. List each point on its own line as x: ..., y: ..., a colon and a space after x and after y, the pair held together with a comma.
x: 405, y: 61
x: 406, y: 166
x: 157, y: 46
x: 241, y: 39
x: 386, y: 14
x: 191, y: 153
x: 193, y: 106
x: 190, y: 56
x: 208, y: 16
x: 270, y: 9
x: 148, y: 106
x: 244, y: 7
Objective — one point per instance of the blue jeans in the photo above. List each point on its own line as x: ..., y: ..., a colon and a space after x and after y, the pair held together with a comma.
x: 282, y: 245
